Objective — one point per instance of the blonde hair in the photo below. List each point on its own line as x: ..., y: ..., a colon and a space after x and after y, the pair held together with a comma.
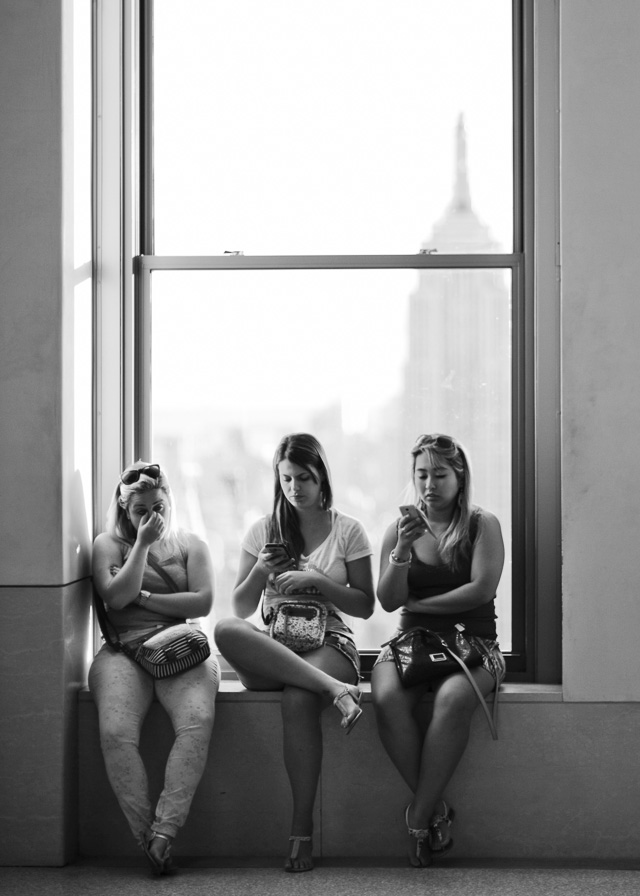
x: 118, y: 524
x: 444, y: 451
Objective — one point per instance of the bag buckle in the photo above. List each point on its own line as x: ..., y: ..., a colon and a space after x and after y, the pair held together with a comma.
x: 438, y: 657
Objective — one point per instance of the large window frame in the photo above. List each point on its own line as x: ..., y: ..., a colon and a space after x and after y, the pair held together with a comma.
x: 535, y: 654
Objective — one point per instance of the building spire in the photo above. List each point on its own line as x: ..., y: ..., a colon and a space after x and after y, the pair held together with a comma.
x: 461, y: 192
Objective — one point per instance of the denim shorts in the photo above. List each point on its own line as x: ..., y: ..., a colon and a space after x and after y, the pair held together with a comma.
x: 492, y: 658
x: 342, y: 642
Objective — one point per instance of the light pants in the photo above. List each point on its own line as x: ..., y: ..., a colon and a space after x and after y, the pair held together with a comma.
x: 123, y: 693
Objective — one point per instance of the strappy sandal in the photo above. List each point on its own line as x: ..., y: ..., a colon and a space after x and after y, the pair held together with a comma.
x: 349, y: 718
x: 308, y: 863
x: 159, y: 865
x: 421, y: 858
x: 441, y: 842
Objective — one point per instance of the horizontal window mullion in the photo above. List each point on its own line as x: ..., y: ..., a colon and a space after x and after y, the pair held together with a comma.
x: 328, y: 262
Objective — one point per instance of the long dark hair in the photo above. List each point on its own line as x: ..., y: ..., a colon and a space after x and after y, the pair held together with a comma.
x: 304, y: 451
x: 456, y: 543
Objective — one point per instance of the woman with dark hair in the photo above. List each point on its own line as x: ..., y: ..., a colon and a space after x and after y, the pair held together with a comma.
x: 440, y: 566
x: 328, y: 560
x: 141, y: 538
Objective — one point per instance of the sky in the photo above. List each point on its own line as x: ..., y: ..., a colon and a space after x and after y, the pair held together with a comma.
x: 291, y: 127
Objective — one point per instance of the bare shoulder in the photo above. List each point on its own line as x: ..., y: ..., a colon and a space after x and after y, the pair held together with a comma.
x: 488, y: 523
x: 195, y: 545
x: 107, y: 544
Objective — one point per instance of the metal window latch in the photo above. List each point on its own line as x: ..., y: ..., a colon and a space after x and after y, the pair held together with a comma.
x: 232, y: 252
x: 427, y: 251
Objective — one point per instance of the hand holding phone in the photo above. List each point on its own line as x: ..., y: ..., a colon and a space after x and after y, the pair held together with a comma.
x: 278, y: 547
x: 414, y: 513
x: 280, y: 556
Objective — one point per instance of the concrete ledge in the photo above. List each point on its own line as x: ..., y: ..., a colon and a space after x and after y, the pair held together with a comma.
x: 233, y: 692
x: 560, y: 785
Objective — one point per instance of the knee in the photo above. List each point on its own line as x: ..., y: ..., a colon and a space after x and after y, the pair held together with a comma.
x: 297, y: 704
x: 386, y: 705
x: 227, y: 632
x: 453, y: 707
x: 115, y: 733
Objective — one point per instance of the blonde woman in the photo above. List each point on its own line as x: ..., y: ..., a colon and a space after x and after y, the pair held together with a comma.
x: 141, y: 534
x: 440, y: 566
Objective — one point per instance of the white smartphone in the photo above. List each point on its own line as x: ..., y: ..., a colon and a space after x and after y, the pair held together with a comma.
x: 414, y: 512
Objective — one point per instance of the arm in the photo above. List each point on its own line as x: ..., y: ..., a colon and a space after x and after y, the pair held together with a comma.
x: 486, y: 568
x: 393, y: 590
x: 198, y: 600
x: 253, y: 573
x: 122, y: 588
x: 355, y: 599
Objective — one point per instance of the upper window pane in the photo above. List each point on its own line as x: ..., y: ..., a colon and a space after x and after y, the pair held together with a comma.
x: 290, y: 127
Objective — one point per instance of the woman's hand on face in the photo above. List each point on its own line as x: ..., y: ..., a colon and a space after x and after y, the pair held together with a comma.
x: 409, y: 531
x: 151, y: 528
x: 296, y: 579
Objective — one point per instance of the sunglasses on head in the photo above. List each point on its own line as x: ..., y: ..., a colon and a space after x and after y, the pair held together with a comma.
x: 131, y: 476
x: 445, y: 442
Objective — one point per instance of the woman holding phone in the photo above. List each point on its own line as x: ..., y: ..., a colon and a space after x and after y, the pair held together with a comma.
x: 441, y: 563
x: 307, y: 549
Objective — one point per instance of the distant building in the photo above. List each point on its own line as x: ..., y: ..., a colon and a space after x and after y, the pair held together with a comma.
x: 458, y: 374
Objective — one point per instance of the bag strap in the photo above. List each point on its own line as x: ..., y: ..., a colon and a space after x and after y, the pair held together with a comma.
x: 483, y: 703
x: 109, y: 631
x: 153, y: 563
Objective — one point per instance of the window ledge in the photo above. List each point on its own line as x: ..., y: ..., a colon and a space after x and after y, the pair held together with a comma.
x: 234, y: 692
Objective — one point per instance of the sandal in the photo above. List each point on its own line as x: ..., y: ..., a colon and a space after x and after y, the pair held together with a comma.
x: 349, y: 718
x: 305, y: 864
x: 421, y: 857
x: 159, y: 864
x: 440, y: 842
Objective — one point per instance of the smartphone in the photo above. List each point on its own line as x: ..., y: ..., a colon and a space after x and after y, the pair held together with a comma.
x: 279, y: 546
x: 414, y: 512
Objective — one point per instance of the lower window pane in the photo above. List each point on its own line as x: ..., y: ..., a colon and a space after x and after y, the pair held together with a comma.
x: 364, y: 360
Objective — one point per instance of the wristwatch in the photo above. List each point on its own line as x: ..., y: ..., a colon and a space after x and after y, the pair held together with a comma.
x: 143, y: 597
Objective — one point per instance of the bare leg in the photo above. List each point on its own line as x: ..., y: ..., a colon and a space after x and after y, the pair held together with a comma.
x: 264, y: 664
x: 302, y: 735
x: 399, y: 731
x: 426, y: 764
x: 446, y: 740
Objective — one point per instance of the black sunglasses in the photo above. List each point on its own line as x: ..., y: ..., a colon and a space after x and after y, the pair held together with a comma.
x: 445, y: 442
x: 131, y: 476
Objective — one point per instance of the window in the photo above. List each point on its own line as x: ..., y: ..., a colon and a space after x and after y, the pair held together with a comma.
x: 333, y: 234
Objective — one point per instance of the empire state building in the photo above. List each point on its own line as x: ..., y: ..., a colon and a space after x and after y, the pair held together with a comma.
x: 458, y: 373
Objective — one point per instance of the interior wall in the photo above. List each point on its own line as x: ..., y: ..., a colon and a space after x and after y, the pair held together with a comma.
x: 43, y: 534
x: 600, y: 270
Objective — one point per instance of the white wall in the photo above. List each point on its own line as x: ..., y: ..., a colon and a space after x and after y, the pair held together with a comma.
x: 600, y: 257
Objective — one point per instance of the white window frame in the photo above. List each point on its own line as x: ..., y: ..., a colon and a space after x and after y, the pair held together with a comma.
x: 125, y: 263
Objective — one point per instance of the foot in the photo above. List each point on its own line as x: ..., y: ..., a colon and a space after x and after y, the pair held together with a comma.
x: 300, y: 858
x: 419, y: 849
x: 157, y: 849
x: 440, y: 841
x: 348, y: 702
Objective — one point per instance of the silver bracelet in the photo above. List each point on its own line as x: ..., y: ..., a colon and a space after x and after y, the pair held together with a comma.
x: 142, y: 598
x: 393, y: 560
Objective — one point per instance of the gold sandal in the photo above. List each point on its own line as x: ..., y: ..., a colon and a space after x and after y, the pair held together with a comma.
x: 159, y: 865
x: 349, y: 718
x: 440, y: 843
x: 422, y: 856
x: 308, y: 863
